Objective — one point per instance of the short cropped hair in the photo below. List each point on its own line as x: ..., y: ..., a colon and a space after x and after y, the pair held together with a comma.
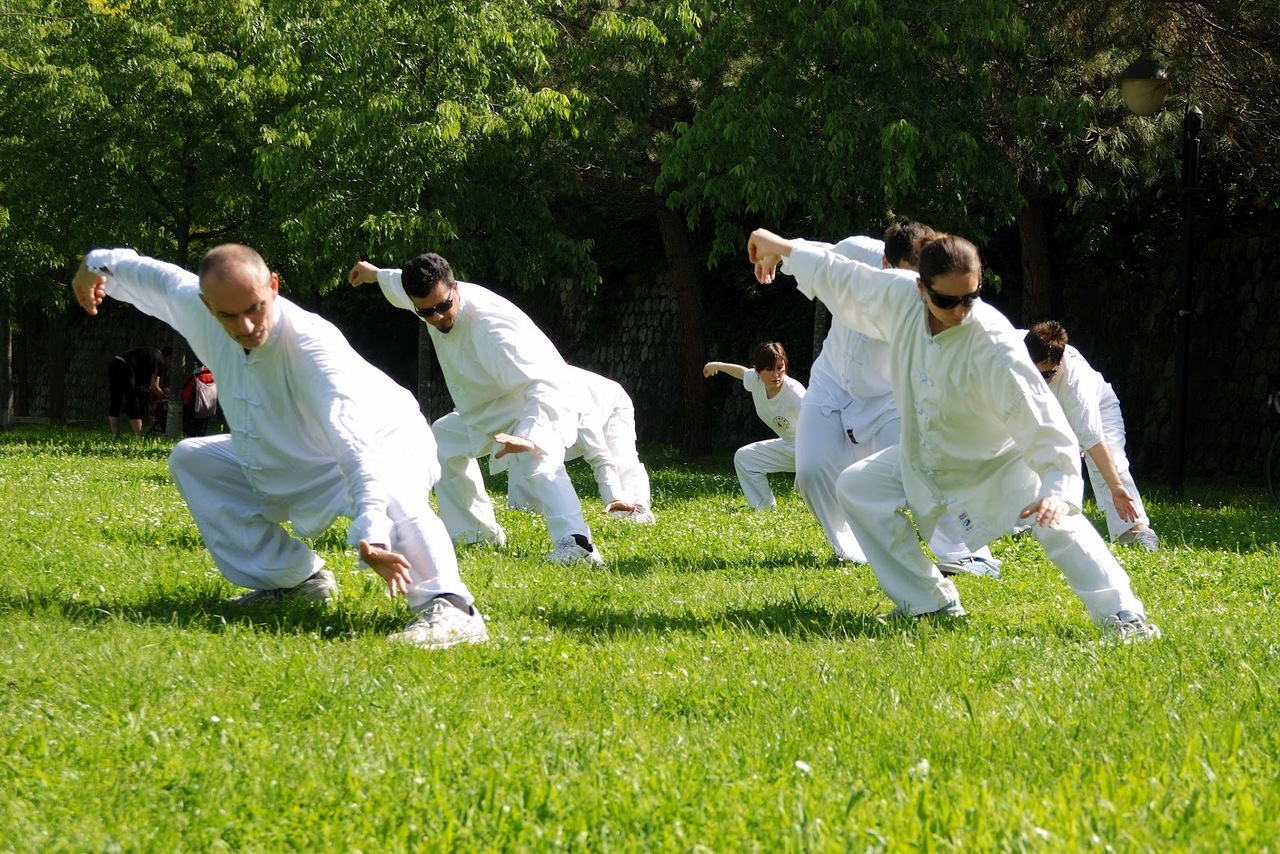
x: 421, y: 275
x: 901, y: 242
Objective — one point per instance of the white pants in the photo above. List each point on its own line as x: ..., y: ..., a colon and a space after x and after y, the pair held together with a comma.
x: 242, y: 530
x: 620, y: 439
x: 755, y: 462
x: 823, y: 451
x: 465, y: 505
x: 873, y: 495
x: 1113, y: 435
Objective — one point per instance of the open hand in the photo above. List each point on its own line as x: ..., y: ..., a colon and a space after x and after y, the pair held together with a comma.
x: 392, y: 566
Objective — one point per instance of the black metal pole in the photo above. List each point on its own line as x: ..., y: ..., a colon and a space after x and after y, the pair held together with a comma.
x: 1191, y: 125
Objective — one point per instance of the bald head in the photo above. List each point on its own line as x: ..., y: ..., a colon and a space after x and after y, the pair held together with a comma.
x: 240, y: 291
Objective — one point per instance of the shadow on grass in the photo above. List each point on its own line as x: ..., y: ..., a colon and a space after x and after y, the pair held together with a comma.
x: 210, y: 612
x: 641, y: 564
x: 791, y: 618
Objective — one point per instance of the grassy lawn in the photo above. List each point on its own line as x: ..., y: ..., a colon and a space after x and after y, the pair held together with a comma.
x: 718, y: 686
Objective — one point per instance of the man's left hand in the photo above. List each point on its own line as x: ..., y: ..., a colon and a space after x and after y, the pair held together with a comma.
x: 393, y: 567
x: 512, y: 445
x: 90, y: 288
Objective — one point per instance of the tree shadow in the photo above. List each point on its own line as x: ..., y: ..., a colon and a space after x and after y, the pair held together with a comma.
x: 792, y: 618
x: 208, y: 612
x: 640, y: 564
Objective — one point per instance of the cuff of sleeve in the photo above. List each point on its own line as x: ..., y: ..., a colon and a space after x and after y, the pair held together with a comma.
x: 1067, y: 487
x: 802, y: 264
x: 103, y: 261
x: 370, y: 526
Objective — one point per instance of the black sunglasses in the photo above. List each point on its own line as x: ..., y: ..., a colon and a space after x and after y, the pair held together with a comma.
x: 1050, y: 374
x: 440, y: 308
x: 946, y: 303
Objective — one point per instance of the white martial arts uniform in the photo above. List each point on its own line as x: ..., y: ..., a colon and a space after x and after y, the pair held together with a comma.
x: 606, y: 440
x: 1094, y: 414
x: 505, y: 376
x: 848, y: 415
x: 756, y: 461
x: 316, y: 433
x: 982, y: 438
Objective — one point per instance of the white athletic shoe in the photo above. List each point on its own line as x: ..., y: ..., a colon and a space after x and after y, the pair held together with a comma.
x: 320, y: 587
x: 1126, y: 627
x: 442, y: 625
x: 1146, y: 538
x: 641, y: 515
x: 971, y: 565
x: 952, y: 609
x: 571, y: 549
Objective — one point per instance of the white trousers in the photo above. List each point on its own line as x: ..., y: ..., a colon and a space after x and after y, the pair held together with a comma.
x: 755, y: 462
x: 823, y: 451
x: 242, y: 530
x: 1113, y: 435
x: 620, y: 440
x: 465, y: 505
x: 872, y: 493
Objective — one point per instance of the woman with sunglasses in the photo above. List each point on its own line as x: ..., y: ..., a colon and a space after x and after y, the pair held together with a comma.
x: 983, y: 440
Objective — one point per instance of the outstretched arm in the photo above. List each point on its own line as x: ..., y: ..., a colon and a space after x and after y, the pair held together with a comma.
x: 1101, y: 456
x: 710, y: 369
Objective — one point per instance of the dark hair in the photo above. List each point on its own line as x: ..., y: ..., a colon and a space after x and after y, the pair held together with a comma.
x: 766, y: 355
x: 421, y: 275
x: 1046, y: 342
x: 166, y: 351
x: 901, y: 242
x: 944, y: 254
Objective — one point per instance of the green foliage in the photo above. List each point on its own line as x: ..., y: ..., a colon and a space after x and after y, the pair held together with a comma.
x: 135, y: 125
x: 719, y: 685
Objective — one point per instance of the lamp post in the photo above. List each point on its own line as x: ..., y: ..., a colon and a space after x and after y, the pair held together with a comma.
x: 1144, y: 85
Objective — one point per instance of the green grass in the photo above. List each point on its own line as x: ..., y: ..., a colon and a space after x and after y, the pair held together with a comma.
x: 719, y: 686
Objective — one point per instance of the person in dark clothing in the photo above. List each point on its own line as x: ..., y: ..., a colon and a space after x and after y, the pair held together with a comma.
x: 132, y: 377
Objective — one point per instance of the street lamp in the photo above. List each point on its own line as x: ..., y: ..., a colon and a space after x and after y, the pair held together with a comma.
x: 1144, y: 85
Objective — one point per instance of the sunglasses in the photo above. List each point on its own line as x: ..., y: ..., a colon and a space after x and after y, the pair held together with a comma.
x: 1050, y: 374
x: 946, y: 303
x: 440, y: 309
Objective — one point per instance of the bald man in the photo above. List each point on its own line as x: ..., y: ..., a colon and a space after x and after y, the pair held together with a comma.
x: 316, y: 432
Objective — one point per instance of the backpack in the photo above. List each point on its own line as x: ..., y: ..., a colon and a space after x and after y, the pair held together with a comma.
x: 204, y: 398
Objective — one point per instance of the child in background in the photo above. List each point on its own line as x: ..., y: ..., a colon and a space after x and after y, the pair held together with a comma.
x: 777, y: 398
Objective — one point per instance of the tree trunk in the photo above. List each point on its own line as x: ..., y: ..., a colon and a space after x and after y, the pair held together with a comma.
x: 424, y: 371
x: 693, y: 349
x: 1037, y: 293
x: 821, y: 326
x: 21, y: 365
x: 6, y: 357
x: 58, y: 357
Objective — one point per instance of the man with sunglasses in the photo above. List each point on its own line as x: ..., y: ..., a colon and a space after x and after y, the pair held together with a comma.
x: 514, y: 399
x: 316, y: 433
x: 983, y: 439
x: 849, y: 414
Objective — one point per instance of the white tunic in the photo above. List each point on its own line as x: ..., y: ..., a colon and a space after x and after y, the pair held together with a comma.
x: 982, y: 436
x: 782, y: 411
x: 851, y: 375
x: 305, y: 411
x: 1080, y: 390
x: 503, y: 372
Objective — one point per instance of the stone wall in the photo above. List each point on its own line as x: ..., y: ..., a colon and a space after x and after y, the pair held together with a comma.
x: 630, y: 330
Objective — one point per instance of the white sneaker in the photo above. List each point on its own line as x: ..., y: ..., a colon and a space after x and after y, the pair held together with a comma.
x: 320, y: 587
x: 442, y: 625
x: 953, y: 608
x: 570, y: 549
x: 641, y: 515
x: 1145, y: 537
x: 1126, y: 627
x: 971, y: 565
